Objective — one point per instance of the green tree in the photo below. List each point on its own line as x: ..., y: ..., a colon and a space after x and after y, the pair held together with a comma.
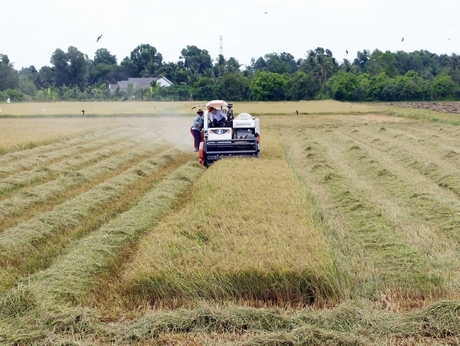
x: 69, y: 68
x: 78, y: 67
x: 320, y: 63
x: 103, y: 56
x: 377, y: 84
x: 382, y: 62
x: 283, y: 63
x: 302, y: 86
x: 361, y: 59
x: 232, y: 65
x: 9, y: 77
x: 46, y: 77
x: 196, y: 61
x: 146, y: 60
x: 103, y: 68
x: 233, y: 86
x: 454, y: 71
x: 27, y: 86
x: 342, y: 86
x: 126, y: 69
x: 442, y: 86
x: 205, y: 88
x: 412, y: 87
x: 268, y: 86
x: 406, y: 62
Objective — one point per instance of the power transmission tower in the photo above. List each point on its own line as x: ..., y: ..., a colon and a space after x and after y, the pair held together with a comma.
x: 221, y: 48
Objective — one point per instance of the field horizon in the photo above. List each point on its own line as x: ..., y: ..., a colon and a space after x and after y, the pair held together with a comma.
x: 343, y: 232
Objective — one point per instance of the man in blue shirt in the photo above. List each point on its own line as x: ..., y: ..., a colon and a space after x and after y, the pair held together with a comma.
x: 196, y: 129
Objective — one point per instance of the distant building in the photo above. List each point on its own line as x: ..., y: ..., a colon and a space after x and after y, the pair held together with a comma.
x: 140, y: 83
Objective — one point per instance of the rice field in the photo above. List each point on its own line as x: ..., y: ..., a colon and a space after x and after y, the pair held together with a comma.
x: 344, y: 232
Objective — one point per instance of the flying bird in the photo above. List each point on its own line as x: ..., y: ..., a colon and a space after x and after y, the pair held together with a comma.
x: 402, y: 39
x: 124, y: 99
x: 432, y: 55
x: 265, y: 12
x: 98, y: 38
x: 346, y: 50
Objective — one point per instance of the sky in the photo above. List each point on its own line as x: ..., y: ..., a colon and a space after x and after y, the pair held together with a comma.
x: 31, y: 30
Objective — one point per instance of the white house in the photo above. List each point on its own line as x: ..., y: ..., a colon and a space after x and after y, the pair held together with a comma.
x: 140, y: 83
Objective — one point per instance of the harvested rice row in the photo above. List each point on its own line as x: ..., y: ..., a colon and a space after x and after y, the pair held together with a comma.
x: 71, y: 274
x: 245, y: 235
x: 418, y: 208
x: 64, y: 144
x: 352, y: 323
x: 427, y: 149
x: 42, y: 255
x: 440, y: 165
x: 434, y: 192
x: 26, y: 235
x: 18, y: 203
x: 39, y: 160
x: 443, y: 134
x: 80, y: 160
x: 368, y: 248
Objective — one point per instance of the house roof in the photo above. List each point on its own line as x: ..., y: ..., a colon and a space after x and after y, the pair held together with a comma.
x: 140, y: 83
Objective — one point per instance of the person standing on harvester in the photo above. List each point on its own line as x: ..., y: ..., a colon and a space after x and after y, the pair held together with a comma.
x: 196, y: 129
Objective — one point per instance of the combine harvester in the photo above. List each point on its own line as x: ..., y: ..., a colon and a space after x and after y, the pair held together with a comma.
x: 238, y: 136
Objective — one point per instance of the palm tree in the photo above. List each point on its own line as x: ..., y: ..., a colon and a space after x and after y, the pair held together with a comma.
x: 320, y: 64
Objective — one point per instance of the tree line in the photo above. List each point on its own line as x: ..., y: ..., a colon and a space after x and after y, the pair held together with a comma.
x: 370, y: 76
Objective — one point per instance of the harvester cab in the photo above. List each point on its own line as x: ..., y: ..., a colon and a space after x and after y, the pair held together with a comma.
x: 236, y: 136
